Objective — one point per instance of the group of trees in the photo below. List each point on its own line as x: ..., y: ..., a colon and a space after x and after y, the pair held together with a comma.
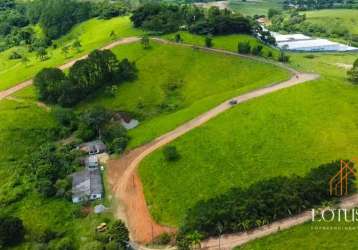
x: 318, y: 4
x: 86, y: 76
x: 50, y: 165
x: 261, y: 203
x: 55, y: 17
x: 165, y: 18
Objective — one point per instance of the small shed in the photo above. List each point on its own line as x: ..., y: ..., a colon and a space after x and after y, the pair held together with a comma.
x: 91, y: 162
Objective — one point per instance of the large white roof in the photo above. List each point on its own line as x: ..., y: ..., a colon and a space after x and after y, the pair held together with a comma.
x: 289, y: 37
x: 315, y: 44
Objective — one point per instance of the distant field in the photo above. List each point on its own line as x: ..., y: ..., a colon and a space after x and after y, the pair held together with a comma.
x: 287, y: 132
x: 254, y: 7
x: 92, y: 34
x: 309, y: 237
x: 203, y: 80
x: 335, y: 19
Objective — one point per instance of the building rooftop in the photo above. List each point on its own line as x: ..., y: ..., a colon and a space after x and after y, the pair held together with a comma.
x: 87, y: 182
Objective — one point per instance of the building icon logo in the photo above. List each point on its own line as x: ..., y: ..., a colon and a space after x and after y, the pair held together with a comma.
x: 338, y: 184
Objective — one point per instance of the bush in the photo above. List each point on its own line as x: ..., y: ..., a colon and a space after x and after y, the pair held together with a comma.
x: 283, y: 57
x: 163, y: 239
x: 256, y: 50
x: 14, y: 55
x: 119, y: 233
x: 244, y: 47
x: 262, y: 202
x: 171, y: 153
x: 64, y: 244
x: 12, y: 231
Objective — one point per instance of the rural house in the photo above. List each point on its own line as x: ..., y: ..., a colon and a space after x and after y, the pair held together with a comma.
x: 93, y: 147
x: 91, y: 162
x: 87, y: 185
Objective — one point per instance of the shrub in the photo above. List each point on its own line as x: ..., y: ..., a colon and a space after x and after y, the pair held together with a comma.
x: 14, y: 55
x: 256, y: 50
x: 163, y: 239
x: 244, y: 47
x: 11, y: 231
x: 64, y: 244
x: 208, y: 41
x: 171, y: 153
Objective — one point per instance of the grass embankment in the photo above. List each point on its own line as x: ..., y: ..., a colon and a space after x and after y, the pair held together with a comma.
x: 92, y: 34
x: 176, y: 84
x: 254, y: 7
x: 309, y: 236
x: 335, y: 19
x: 287, y: 132
x: 24, y: 128
x: 228, y: 42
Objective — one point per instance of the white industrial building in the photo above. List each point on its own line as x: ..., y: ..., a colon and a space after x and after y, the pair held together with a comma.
x: 300, y: 42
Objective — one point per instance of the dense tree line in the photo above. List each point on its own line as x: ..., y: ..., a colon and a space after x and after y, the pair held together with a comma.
x: 317, y: 4
x: 55, y: 17
x: 241, y: 209
x: 165, y: 18
x: 86, y: 76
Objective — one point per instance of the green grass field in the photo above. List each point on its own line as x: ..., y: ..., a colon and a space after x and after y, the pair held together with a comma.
x: 254, y: 7
x: 338, y: 19
x: 92, y: 34
x: 310, y: 236
x: 287, y: 132
x: 203, y: 80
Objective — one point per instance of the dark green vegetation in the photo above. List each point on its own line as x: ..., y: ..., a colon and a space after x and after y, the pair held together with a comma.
x: 319, y: 4
x: 34, y: 184
x: 353, y: 73
x: 161, y: 18
x: 85, y: 77
x: 11, y: 231
x: 262, y: 202
x: 18, y: 20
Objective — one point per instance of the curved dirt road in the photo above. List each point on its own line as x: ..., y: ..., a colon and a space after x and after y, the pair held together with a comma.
x: 20, y: 86
x: 126, y: 185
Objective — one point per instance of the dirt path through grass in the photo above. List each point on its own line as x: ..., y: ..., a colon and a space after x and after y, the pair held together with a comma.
x: 126, y: 185
x: 20, y: 86
x: 232, y: 240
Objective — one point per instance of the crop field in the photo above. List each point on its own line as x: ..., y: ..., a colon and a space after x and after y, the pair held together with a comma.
x: 284, y: 133
x: 92, y: 34
x: 177, y: 84
x: 254, y: 7
x: 309, y: 236
x: 338, y: 19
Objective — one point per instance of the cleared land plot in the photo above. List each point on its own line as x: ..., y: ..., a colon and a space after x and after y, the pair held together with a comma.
x: 284, y: 133
x: 176, y: 84
x: 92, y: 34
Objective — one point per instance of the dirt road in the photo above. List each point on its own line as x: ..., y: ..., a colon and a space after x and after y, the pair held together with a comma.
x: 126, y: 185
x: 20, y: 86
x: 233, y: 240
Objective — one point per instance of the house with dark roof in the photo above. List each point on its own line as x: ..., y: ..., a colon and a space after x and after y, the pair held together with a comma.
x: 87, y: 185
x: 93, y: 147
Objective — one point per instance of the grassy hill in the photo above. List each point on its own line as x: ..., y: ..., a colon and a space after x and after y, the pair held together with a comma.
x: 177, y: 84
x: 335, y: 19
x: 287, y: 132
x: 92, y: 34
